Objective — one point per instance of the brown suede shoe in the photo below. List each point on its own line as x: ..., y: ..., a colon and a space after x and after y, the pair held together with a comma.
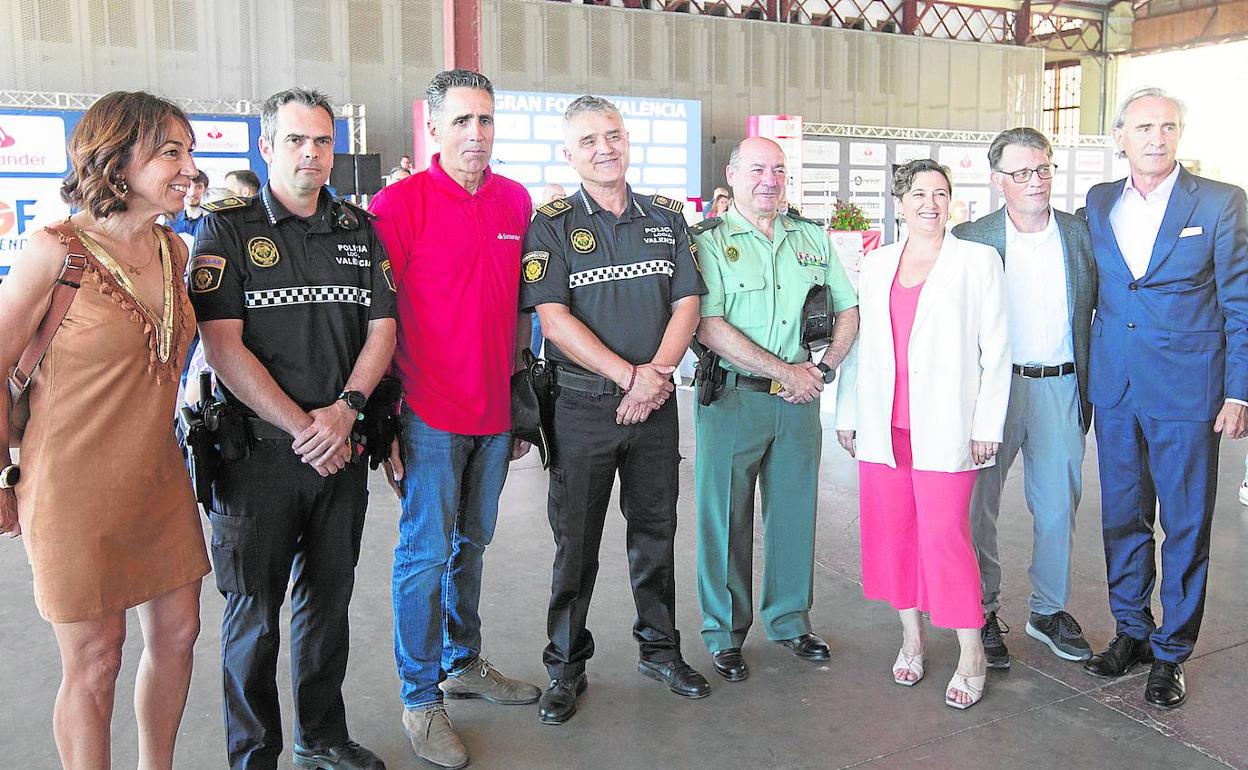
x: 433, y: 739
x: 481, y: 680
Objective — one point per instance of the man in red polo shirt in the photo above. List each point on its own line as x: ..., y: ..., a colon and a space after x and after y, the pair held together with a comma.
x: 453, y: 234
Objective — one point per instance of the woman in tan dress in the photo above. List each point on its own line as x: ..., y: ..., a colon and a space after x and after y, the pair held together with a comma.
x: 103, y: 497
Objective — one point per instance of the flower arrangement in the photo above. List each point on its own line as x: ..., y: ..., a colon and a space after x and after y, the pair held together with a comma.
x: 847, y: 216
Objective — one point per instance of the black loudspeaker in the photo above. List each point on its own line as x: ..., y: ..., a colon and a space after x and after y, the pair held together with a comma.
x: 356, y: 174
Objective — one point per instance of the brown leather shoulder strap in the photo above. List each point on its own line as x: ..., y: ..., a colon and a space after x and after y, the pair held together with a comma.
x: 67, y: 284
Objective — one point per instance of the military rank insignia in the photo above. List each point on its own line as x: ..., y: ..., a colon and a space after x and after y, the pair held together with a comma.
x: 533, y: 265
x: 693, y: 252
x: 668, y: 203
x: 582, y: 240
x: 225, y: 204
x: 555, y: 208
x: 732, y: 253
x: 263, y: 252
x: 205, y: 271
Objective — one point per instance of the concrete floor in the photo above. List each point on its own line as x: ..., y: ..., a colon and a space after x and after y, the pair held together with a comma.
x: 790, y: 713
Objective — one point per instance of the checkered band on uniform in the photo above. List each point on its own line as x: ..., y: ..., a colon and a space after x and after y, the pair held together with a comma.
x: 309, y: 294
x: 620, y: 272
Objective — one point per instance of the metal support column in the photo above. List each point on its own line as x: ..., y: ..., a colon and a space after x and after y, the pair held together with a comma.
x: 909, y: 16
x: 1022, y: 24
x: 461, y: 33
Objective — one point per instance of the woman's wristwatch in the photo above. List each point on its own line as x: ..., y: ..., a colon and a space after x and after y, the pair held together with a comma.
x: 9, y: 476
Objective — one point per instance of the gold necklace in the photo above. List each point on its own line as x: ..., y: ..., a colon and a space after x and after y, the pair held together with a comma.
x: 138, y: 269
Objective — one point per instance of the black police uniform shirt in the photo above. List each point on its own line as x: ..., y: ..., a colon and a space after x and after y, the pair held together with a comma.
x: 305, y: 289
x: 618, y: 276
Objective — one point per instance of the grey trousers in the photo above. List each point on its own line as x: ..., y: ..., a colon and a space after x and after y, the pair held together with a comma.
x: 1042, y: 421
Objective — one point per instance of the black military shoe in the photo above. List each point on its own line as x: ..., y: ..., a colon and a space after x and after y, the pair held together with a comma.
x: 558, y: 703
x: 994, y: 642
x: 1121, y: 656
x: 730, y: 664
x: 1061, y: 633
x: 679, y: 676
x: 348, y: 756
x: 1166, y: 687
x: 808, y: 647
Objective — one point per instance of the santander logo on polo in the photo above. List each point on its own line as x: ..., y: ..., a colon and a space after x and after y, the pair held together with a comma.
x: 508, y: 237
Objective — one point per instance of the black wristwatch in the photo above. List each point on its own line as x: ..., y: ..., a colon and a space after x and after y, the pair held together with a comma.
x: 355, y: 399
x: 9, y: 476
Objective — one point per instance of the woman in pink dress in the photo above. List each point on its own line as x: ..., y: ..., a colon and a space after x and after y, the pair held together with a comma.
x: 922, y: 408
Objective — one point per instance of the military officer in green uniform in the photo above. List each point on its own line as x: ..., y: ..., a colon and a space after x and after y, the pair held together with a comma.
x: 759, y: 264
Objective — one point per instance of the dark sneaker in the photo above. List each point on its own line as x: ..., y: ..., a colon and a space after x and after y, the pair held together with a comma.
x: 1061, y: 633
x: 994, y: 642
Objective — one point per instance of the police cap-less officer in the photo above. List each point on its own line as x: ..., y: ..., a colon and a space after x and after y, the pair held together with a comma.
x: 759, y: 264
x: 296, y: 307
x: 613, y: 279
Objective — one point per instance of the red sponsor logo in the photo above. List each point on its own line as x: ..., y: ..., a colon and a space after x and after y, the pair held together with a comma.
x: 215, y: 133
x: 7, y: 218
x: 6, y: 140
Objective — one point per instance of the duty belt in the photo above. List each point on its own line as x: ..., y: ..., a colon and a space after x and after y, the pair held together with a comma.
x: 586, y: 383
x: 738, y: 381
x: 1038, y: 372
x: 262, y: 430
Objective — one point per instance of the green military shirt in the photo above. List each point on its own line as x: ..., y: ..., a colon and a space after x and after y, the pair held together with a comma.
x: 760, y: 285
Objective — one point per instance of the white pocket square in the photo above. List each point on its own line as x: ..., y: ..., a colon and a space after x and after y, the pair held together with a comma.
x: 1190, y: 231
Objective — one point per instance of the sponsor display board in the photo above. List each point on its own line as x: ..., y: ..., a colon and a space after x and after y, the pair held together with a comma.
x: 665, y: 138
x: 859, y: 170
x: 33, y: 161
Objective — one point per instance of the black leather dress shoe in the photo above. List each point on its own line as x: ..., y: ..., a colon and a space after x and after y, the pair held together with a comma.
x: 679, y: 676
x: 730, y: 664
x: 1166, y: 688
x: 808, y: 647
x: 1121, y: 656
x: 558, y: 703
x: 348, y: 756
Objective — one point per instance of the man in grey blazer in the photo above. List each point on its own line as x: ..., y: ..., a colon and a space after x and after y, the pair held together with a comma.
x: 1051, y: 281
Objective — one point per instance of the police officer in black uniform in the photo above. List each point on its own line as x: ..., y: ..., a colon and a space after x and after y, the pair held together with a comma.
x: 296, y: 308
x: 616, y: 286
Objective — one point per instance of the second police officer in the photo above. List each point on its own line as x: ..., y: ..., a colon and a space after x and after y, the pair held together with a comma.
x: 296, y: 308
x: 613, y: 279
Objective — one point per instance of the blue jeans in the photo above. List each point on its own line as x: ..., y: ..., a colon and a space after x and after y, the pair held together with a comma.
x: 450, y: 505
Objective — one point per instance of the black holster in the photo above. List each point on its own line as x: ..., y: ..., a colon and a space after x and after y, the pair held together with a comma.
x: 211, y: 432
x: 380, y: 426
x: 709, y: 376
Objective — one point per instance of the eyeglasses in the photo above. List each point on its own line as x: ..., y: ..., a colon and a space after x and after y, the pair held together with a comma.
x: 1023, y: 175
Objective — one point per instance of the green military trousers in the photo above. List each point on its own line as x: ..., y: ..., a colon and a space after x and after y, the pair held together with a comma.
x: 745, y: 438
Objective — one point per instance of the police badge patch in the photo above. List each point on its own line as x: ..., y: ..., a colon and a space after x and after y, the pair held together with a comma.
x: 533, y: 265
x: 732, y: 253
x: 263, y: 252
x: 205, y: 271
x: 388, y: 273
x: 582, y: 240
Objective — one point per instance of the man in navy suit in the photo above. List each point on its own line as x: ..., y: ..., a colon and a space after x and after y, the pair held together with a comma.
x: 1168, y: 378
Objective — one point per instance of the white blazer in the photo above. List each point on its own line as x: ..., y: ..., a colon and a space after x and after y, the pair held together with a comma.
x: 959, y: 359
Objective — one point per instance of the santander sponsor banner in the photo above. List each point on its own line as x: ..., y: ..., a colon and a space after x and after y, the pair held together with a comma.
x: 25, y: 206
x: 221, y: 135
x: 32, y: 144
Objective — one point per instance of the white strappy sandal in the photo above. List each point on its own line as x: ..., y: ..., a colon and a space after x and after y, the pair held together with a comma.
x: 971, y: 685
x: 911, y: 663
